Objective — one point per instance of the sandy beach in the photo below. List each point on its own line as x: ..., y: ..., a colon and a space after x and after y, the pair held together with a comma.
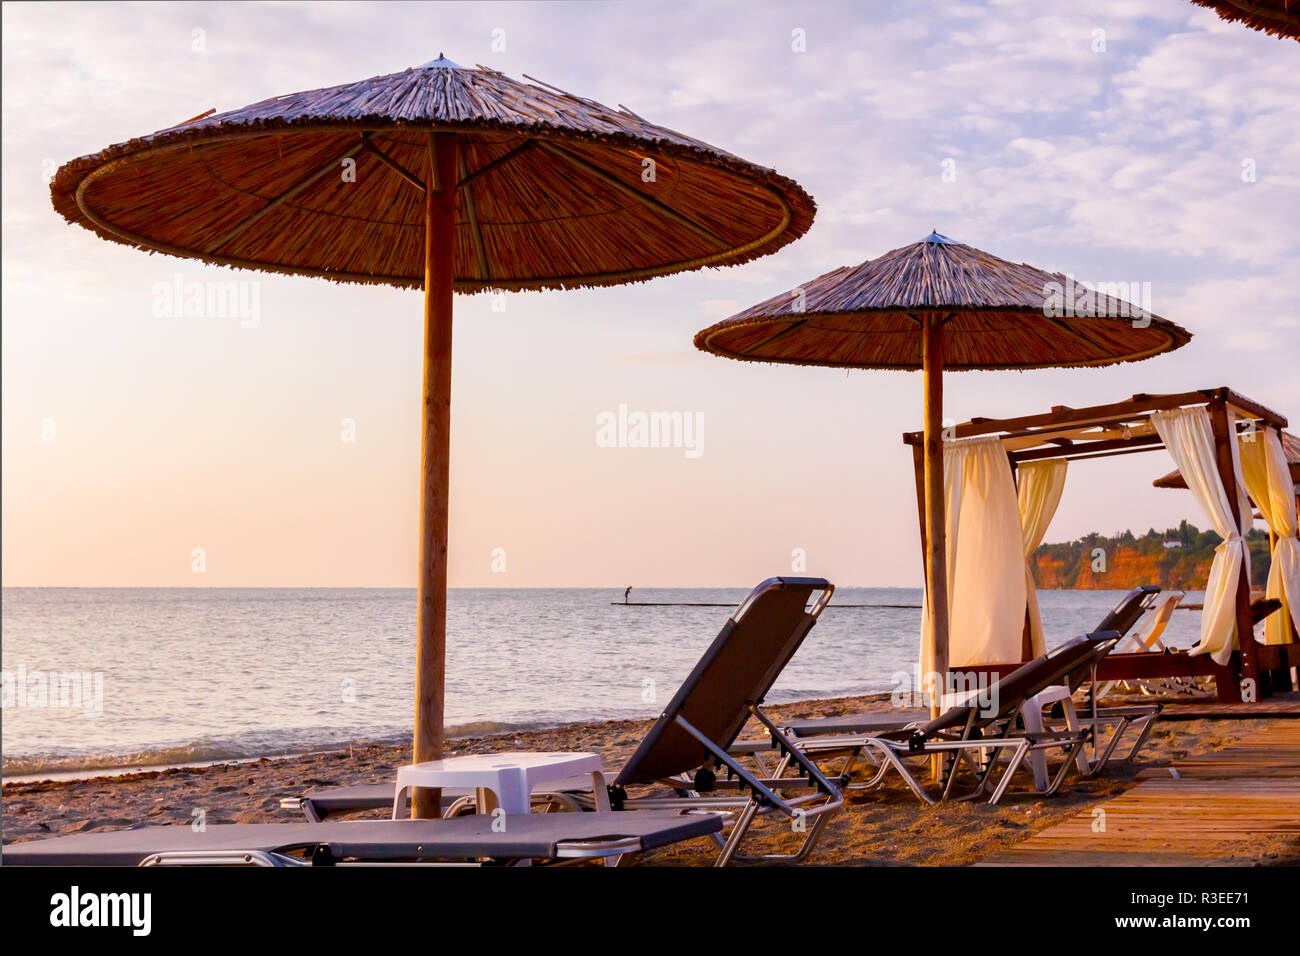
x: 882, y: 827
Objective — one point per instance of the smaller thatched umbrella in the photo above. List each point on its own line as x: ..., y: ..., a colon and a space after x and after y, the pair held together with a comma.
x: 1290, y: 448
x: 934, y: 305
x: 1279, y: 18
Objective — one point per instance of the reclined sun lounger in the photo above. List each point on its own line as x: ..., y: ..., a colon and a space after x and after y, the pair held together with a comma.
x: 691, y: 739
x: 1121, y: 619
x: 1141, y: 717
x: 1124, y: 615
x: 545, y: 837
x: 1149, y: 640
x: 688, y: 745
x: 1118, y: 719
x: 977, y: 733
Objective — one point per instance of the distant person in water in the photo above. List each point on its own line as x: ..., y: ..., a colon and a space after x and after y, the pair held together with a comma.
x: 626, y: 593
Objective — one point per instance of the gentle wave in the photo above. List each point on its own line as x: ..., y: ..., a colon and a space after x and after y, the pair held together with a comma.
x: 245, y: 747
x: 192, y: 752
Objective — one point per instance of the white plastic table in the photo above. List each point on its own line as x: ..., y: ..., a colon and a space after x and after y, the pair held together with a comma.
x: 1032, y: 711
x: 512, y: 777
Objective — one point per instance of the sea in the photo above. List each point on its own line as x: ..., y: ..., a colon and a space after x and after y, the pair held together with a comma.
x: 102, y: 679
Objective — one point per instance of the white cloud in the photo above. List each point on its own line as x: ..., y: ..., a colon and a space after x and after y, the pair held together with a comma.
x: 1122, y: 164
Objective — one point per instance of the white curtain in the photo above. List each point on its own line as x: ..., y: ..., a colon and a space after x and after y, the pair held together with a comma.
x: 1268, y: 481
x: 1188, y: 435
x: 1039, y: 494
x: 986, y: 560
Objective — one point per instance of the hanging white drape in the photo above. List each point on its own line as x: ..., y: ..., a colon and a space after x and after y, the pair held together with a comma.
x: 1188, y: 435
x: 1268, y: 482
x: 1039, y: 494
x: 985, y: 557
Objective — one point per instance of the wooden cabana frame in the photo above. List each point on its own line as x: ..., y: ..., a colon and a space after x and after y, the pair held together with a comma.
x: 1125, y: 428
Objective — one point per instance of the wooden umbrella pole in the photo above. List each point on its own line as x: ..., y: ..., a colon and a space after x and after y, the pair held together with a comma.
x: 936, y: 568
x: 435, y: 447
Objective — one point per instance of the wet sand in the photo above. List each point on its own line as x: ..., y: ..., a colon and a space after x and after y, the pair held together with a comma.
x: 887, y: 826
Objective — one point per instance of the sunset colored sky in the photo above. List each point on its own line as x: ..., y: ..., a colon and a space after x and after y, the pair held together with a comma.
x: 1109, y: 139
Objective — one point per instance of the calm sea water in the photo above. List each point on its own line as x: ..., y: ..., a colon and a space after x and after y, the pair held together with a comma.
x: 206, y: 674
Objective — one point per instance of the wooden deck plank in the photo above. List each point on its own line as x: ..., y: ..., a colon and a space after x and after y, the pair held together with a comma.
x: 1211, y: 810
x: 1279, y: 705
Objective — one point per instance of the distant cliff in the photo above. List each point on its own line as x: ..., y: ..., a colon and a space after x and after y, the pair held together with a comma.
x: 1179, y: 558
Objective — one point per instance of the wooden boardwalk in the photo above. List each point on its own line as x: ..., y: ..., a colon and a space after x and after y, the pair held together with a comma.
x: 1286, y: 704
x: 1220, y: 809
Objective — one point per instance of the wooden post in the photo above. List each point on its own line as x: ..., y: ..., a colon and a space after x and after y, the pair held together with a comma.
x: 918, y: 466
x: 1223, y: 438
x: 435, y: 447
x: 936, y: 566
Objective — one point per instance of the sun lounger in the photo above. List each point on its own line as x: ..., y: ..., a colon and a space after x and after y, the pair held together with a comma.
x: 976, y: 734
x: 543, y: 837
x: 1120, y: 619
x: 1117, y: 720
x: 687, y: 749
x: 691, y: 740
x: 1141, y: 717
x: 1149, y: 640
x: 1129, y: 610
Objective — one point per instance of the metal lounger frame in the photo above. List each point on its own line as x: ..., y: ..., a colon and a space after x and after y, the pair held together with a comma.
x: 764, y: 795
x: 981, y: 754
x: 569, y: 851
x: 887, y: 750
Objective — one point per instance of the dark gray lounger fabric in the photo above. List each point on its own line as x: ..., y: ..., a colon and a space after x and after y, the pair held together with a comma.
x: 1070, y: 659
x: 363, y: 796
x: 525, y: 836
x: 736, y: 671
x: 1128, y: 611
x: 852, y: 723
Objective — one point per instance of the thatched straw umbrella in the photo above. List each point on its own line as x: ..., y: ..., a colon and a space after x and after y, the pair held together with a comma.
x: 441, y: 178
x: 1279, y: 18
x: 934, y: 305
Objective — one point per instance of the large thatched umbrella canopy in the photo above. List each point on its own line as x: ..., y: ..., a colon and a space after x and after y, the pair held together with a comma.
x: 552, y: 190
x: 438, y: 177
x: 1279, y: 18
x: 938, y: 304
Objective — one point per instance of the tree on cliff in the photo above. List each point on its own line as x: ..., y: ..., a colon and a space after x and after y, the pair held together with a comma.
x: 1128, y: 561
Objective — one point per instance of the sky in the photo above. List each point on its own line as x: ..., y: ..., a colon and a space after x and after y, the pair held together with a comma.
x: 1115, y: 140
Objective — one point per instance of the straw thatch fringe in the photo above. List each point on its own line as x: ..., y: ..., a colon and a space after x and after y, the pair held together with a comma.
x: 867, y: 316
x: 1279, y: 18
x: 261, y: 187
